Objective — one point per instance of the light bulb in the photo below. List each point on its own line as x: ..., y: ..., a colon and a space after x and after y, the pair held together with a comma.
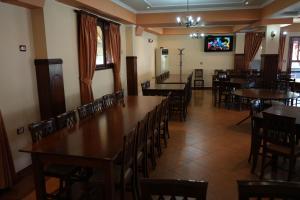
x: 198, y: 19
x: 285, y: 33
x: 178, y: 19
x: 202, y: 34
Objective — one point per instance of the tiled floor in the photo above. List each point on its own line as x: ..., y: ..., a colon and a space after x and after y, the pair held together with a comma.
x: 207, y: 146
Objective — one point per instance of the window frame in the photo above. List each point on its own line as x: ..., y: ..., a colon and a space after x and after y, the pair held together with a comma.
x: 102, y: 23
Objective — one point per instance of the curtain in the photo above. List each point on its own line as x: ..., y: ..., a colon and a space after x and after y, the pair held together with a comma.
x: 7, y: 169
x: 87, y: 55
x: 282, y: 40
x: 252, y: 44
x: 113, y: 52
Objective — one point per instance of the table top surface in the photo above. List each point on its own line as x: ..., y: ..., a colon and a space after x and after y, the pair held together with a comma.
x: 155, y: 86
x: 266, y: 94
x: 288, y: 111
x: 176, y: 79
x: 101, y: 136
x: 236, y: 80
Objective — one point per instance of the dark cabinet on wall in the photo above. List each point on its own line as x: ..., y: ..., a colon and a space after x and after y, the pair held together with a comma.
x: 50, y: 83
x: 132, y: 80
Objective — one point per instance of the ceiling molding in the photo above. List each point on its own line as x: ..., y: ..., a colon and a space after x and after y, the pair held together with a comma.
x: 176, y: 9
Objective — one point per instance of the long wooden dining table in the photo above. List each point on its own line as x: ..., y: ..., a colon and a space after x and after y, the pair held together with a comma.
x: 95, y: 142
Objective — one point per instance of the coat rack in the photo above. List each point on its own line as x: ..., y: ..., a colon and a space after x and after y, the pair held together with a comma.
x: 180, y: 62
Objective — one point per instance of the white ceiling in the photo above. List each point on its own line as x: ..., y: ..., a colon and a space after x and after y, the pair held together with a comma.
x: 141, y: 6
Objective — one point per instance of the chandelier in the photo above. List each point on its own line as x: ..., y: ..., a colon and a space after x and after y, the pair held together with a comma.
x: 189, y: 20
x: 197, y: 35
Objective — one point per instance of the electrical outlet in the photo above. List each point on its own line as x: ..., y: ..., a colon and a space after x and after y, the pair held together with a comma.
x: 20, y: 130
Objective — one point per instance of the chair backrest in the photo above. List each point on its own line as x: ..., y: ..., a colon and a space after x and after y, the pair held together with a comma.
x: 198, y: 73
x: 142, y: 133
x: 279, y: 130
x: 85, y: 111
x: 67, y: 119
x: 108, y: 100
x: 98, y: 105
x: 119, y: 97
x: 41, y: 129
x: 158, y: 115
x: 268, y: 190
x: 145, y: 84
x: 256, y: 106
x: 151, y: 122
x: 170, y: 189
x: 129, y: 152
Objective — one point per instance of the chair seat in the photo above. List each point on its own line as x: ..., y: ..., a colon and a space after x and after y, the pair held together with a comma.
x: 282, y: 149
x: 57, y: 170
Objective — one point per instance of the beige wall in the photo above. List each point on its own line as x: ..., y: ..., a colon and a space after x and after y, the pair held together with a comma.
x: 145, y: 53
x: 18, y: 100
x: 193, y: 55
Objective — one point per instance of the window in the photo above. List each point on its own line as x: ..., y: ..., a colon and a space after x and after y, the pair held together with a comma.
x: 295, y: 57
x: 102, y: 60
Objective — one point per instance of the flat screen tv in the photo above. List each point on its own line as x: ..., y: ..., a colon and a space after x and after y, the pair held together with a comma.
x: 214, y: 43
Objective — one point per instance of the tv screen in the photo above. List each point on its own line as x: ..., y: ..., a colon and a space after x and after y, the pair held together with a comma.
x: 218, y: 43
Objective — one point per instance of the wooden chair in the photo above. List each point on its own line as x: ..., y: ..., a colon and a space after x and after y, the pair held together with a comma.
x: 145, y: 85
x: 40, y: 130
x: 98, y: 105
x: 157, y: 130
x: 164, y: 125
x: 142, y: 150
x: 125, y: 171
x: 268, y: 190
x: 279, y: 139
x: 151, y: 136
x: 119, y: 97
x: 67, y: 119
x: 108, y: 100
x: 172, y: 189
x: 85, y: 111
x: 198, y: 81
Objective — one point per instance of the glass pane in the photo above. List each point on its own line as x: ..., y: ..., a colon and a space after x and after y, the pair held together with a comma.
x: 295, y: 70
x: 100, y: 56
x: 295, y: 50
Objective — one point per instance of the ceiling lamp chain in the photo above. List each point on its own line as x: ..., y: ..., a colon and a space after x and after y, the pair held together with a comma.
x: 188, y: 21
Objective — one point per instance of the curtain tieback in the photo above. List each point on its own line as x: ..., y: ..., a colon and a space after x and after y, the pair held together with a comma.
x: 86, y: 81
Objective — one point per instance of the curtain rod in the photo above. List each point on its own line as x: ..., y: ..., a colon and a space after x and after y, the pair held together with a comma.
x: 96, y: 15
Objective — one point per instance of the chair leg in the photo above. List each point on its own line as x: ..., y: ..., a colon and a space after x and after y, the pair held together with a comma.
x: 263, y: 165
x: 145, y: 164
x: 152, y: 153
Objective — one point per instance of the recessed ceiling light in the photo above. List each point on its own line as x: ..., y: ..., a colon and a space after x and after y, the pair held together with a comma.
x: 246, y: 3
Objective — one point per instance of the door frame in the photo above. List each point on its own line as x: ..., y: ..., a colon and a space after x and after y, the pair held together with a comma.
x: 290, y: 50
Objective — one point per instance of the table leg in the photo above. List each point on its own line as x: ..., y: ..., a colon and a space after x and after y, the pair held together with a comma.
x: 109, y: 182
x: 39, y: 178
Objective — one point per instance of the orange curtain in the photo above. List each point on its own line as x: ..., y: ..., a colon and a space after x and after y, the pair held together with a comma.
x: 7, y: 169
x: 87, y: 55
x: 113, y: 51
x: 252, y: 44
x: 282, y: 40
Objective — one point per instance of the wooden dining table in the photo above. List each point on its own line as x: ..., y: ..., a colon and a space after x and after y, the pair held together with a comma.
x: 95, y: 142
x: 264, y: 95
x: 176, y: 79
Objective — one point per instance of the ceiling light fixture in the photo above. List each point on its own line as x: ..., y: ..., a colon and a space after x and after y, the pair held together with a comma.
x: 246, y: 3
x: 148, y: 7
x: 197, y: 35
x: 189, y: 20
